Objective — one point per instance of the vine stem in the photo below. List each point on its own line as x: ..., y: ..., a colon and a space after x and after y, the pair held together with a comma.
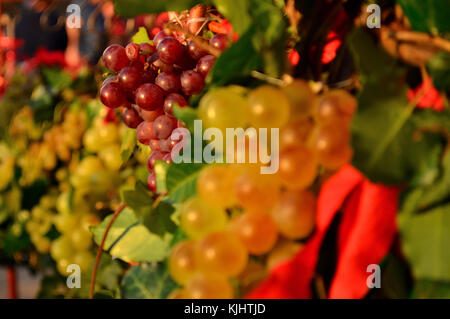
x: 12, y: 282
x: 100, y: 247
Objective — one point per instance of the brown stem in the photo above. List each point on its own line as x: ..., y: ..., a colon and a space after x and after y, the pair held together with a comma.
x: 421, y: 38
x: 12, y: 282
x: 100, y: 247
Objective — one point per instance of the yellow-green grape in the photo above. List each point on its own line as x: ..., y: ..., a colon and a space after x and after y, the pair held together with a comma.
x: 183, y: 262
x: 65, y: 223
x: 331, y: 143
x: 301, y: 97
x: 88, y: 220
x: 256, y: 192
x: 42, y: 244
x: 81, y: 238
x: 61, y: 266
x: 222, y: 253
x: 296, y: 133
x: 208, y: 286
x: 282, y: 252
x: 62, y: 204
x: 199, y: 219
x: 295, y: 214
x: 223, y: 108
x: 111, y: 157
x: 91, y: 140
x: 257, y: 231
x: 83, y: 259
x: 297, y: 167
x: 268, y: 107
x: 62, y: 248
x: 88, y: 167
x: 335, y: 105
x: 108, y: 133
x: 215, y: 185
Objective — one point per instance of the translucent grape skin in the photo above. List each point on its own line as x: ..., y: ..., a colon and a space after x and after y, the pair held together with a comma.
x: 130, y: 77
x: 191, y: 82
x: 112, y: 95
x: 208, y: 286
x: 115, y: 57
x: 131, y: 118
x: 145, y: 133
x: 149, y: 116
x: 219, y: 42
x: 205, y: 64
x: 182, y: 261
x: 149, y: 96
x: 297, y: 167
x: 155, y: 145
x: 168, y: 81
x: 163, y: 126
x: 173, y: 99
x: 170, y: 51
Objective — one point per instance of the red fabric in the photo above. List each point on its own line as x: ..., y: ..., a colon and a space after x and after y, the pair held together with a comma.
x: 366, y: 232
x: 431, y: 97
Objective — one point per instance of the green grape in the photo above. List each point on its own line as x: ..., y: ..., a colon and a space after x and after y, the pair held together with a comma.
x: 111, y: 157
x: 207, y: 286
x: 61, y: 266
x: 214, y: 184
x: 257, y: 231
x: 62, y: 248
x: 222, y: 253
x: 223, y: 108
x: 65, y: 223
x: 182, y: 261
x: 81, y: 239
x: 198, y: 219
x: 83, y: 259
x: 268, y: 107
x: 301, y: 98
x: 297, y: 167
x: 295, y: 214
x: 108, y: 133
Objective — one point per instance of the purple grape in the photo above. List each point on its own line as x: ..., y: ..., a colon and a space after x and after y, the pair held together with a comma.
x: 130, y: 77
x: 132, y: 51
x: 195, y: 51
x: 170, y: 50
x: 131, y: 118
x: 155, y: 156
x: 149, y: 96
x: 151, y: 182
x: 168, y: 81
x: 163, y: 126
x: 219, y: 42
x: 205, y: 64
x: 172, y: 100
x: 115, y: 57
x: 112, y: 95
x: 191, y: 82
x: 147, y: 48
x: 159, y: 37
x: 155, y: 145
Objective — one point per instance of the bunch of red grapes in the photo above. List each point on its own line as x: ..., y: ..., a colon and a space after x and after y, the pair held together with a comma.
x: 150, y: 79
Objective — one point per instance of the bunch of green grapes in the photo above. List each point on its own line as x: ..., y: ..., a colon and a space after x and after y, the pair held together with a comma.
x: 239, y: 212
x: 7, y: 163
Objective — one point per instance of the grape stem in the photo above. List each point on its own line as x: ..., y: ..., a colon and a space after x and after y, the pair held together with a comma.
x: 100, y: 247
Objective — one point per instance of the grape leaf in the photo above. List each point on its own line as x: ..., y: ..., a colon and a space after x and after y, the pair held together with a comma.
x: 159, y: 220
x: 141, y: 36
x: 147, y: 282
x: 128, y: 144
x: 181, y: 180
x: 427, y: 15
x: 187, y: 115
x: 130, y: 240
x: 236, y: 12
x: 161, y: 168
x: 439, y: 69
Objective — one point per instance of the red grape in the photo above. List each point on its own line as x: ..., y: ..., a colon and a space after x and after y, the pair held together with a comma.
x: 168, y: 81
x: 131, y: 118
x: 115, y: 58
x: 205, y: 64
x: 149, y: 96
x: 173, y: 99
x: 151, y: 182
x: 170, y: 50
x: 155, y: 145
x: 150, y: 116
x: 195, y: 51
x: 145, y: 133
x: 191, y: 82
x: 147, y: 48
x: 112, y: 95
x: 154, y: 156
x: 219, y: 42
x: 163, y: 126
x: 159, y: 37
x: 132, y: 50
x: 130, y: 77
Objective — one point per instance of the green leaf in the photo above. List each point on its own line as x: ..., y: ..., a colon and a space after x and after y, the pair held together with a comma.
x: 131, y: 8
x: 159, y: 220
x: 161, y: 168
x: 130, y: 240
x: 237, y: 62
x: 236, y: 12
x: 429, y: 289
x: 187, y: 115
x: 138, y: 199
x: 382, y: 129
x: 425, y: 239
x: 128, y: 144
x: 56, y: 79
x: 181, y: 180
x: 439, y: 69
x: 427, y: 15
x: 141, y: 36
x: 147, y: 282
